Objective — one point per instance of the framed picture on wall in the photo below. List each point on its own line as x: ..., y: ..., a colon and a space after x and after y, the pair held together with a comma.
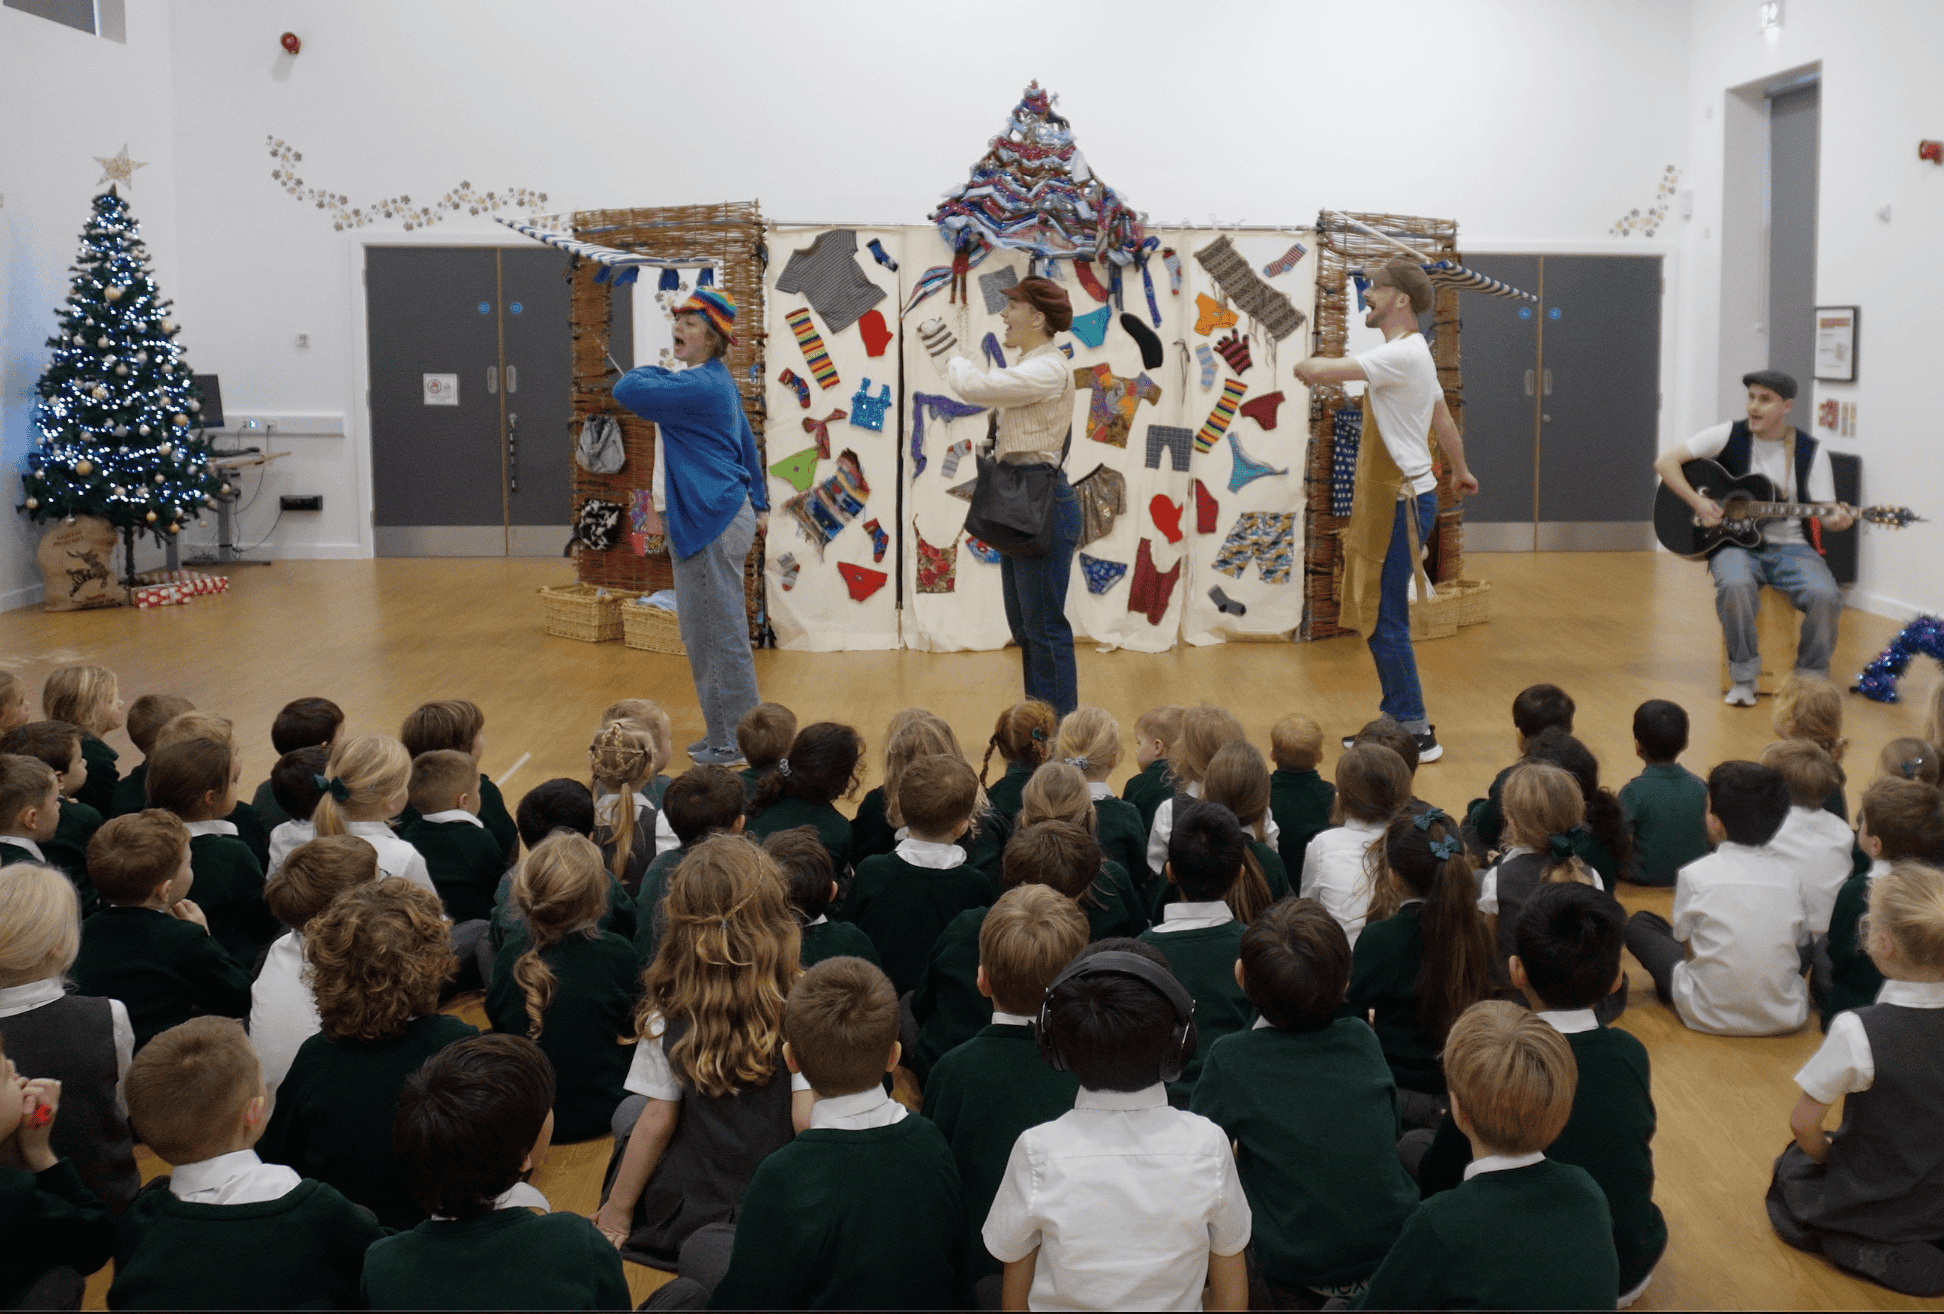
x: 1836, y: 343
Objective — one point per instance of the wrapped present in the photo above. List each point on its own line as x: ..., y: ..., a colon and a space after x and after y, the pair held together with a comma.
x: 174, y: 588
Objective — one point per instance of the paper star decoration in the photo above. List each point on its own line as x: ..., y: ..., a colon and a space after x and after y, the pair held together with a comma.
x: 119, y: 168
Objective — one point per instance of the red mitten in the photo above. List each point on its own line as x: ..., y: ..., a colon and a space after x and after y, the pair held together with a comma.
x: 876, y: 336
x: 1167, y: 517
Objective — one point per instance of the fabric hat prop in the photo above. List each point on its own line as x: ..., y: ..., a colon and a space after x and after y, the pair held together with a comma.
x: 714, y: 305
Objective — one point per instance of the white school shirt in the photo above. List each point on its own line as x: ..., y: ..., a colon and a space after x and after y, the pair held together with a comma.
x: 1404, y: 395
x: 1125, y: 1199
x: 1740, y: 914
x: 1768, y: 456
x: 283, y: 1011
x: 1333, y: 873
x: 236, y: 1178
x: 197, y: 828
x: 1816, y: 845
x: 664, y: 831
x: 859, y: 1111
x: 396, y: 857
x: 930, y: 853
x: 1488, y: 879
x: 521, y: 1195
x: 1844, y: 1063
x: 1099, y: 789
x: 1569, y: 1021
x: 1163, y: 827
x: 649, y: 1072
x: 285, y: 839
x: 15, y: 1000
x: 452, y: 814
x: 1194, y: 916
x: 1501, y: 1163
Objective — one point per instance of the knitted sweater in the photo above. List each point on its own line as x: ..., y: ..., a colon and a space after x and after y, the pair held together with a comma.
x: 705, y: 445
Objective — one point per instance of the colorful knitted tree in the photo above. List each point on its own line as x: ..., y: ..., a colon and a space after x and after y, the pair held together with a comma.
x: 118, y: 407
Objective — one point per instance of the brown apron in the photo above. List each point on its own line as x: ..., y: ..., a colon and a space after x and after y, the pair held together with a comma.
x: 1366, y: 540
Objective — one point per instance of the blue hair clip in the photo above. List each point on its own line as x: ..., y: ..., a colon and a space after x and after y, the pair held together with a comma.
x: 1560, y: 846
x: 1424, y: 819
x: 1444, y: 850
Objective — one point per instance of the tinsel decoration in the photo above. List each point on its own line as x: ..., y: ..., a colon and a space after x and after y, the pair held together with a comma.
x: 1923, y: 637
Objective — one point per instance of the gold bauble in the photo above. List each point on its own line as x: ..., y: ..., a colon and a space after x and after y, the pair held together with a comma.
x: 84, y: 467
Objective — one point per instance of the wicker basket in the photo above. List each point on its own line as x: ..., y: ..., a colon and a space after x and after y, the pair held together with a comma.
x: 583, y: 611
x: 652, y: 629
x: 1474, y: 601
x: 1436, y: 618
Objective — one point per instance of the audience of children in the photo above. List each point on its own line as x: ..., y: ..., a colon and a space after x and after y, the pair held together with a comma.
x: 367, y: 782
x: 1909, y: 758
x: 1372, y: 786
x: 13, y: 702
x: 1537, y: 709
x: 1299, y: 797
x: 1090, y: 742
x: 812, y: 883
x: 90, y: 697
x: 872, y: 830
x: 702, y: 801
x: 623, y: 760
x: 803, y: 788
x: 295, y: 784
x: 1542, y: 807
x: 58, y: 744
x: 303, y: 723
x: 1155, y: 732
x: 1814, y: 843
x: 243, y: 821
x: 1812, y: 709
x: 1112, y: 902
x: 1024, y: 738
x: 1237, y: 777
x: 763, y: 737
x: 1205, y: 731
x: 1666, y: 805
x: 30, y: 814
x: 1605, y: 844
x: 1898, y: 821
x: 456, y: 725
x: 196, y: 780
x: 464, y: 859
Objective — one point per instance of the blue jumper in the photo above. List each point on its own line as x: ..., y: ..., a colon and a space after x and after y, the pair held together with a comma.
x: 708, y: 453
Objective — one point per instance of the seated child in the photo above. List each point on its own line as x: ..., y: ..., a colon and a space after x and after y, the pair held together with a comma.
x: 1122, y: 1202
x: 57, y: 1231
x: 301, y: 724
x: 367, y: 782
x: 984, y: 1092
x: 1739, y: 913
x: 464, y: 859
x: 149, y: 946
x: 1666, y: 805
x: 1299, y: 797
x: 763, y: 736
x: 872, y: 831
x: 196, y: 780
x: 800, y: 855
x: 1538, y: 708
x: 1812, y: 709
x: 1155, y: 732
x: 1813, y: 842
x: 146, y: 717
x: 30, y: 817
x: 1542, y: 807
x: 925, y: 735
x: 278, y: 1241
x: 1871, y: 1197
x: 1390, y: 732
x: 548, y: 808
x: 701, y: 802
x: 1372, y: 786
x: 1910, y: 758
x: 1238, y: 779
x: 1569, y: 940
x: 573, y: 987
x: 1424, y: 959
x: 1523, y: 1231
x: 206, y: 725
x: 799, y: 790
x: 1205, y: 730
x: 472, y: 1123
x: 1058, y: 792
x: 1090, y: 742
x: 13, y: 702
x: 621, y: 761
x: 1898, y: 821
x: 904, y: 899
x: 864, y: 1209
x: 1023, y: 737
x: 83, y: 1042
x: 293, y: 781
x: 1604, y: 843
x: 1307, y: 1098
x: 377, y: 956
x: 1198, y: 934
x: 59, y: 745
x: 456, y: 725
x: 283, y: 1007
x: 88, y: 696
x: 661, y: 738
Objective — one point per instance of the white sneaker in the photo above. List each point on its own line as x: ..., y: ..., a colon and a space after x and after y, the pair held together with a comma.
x: 1742, y: 695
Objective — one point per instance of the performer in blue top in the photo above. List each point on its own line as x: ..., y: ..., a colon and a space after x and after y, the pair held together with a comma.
x: 717, y: 503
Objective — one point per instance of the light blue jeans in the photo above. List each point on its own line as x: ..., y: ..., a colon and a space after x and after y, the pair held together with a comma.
x: 1799, y: 572
x: 715, y: 628
x: 1390, y: 637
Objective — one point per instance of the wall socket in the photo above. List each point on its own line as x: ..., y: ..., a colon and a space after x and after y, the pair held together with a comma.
x: 301, y: 502
x: 303, y: 342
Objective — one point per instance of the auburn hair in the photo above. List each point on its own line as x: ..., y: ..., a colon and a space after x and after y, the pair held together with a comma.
x: 1023, y: 735
x: 377, y: 957
x: 561, y: 889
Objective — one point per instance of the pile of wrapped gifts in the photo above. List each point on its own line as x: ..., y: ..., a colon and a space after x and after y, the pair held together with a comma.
x: 174, y: 588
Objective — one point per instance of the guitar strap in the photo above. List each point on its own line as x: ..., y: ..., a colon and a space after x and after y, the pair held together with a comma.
x: 1811, y: 527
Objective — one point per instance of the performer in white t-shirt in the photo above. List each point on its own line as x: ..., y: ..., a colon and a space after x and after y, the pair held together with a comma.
x: 1786, y: 560
x: 1395, y: 484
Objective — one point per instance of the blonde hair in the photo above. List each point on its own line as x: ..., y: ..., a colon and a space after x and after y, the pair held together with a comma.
x: 561, y: 889
x: 1513, y: 1075
x: 1057, y: 792
x: 1296, y: 743
x: 80, y: 694
x: 1907, y: 905
x: 1163, y: 723
x: 922, y: 735
x: 660, y: 729
x: 372, y: 768
x: 1205, y: 728
x: 1909, y: 758
x: 1027, y: 938
x: 622, y: 760
x: 724, y: 967
x: 1812, y: 709
x: 193, y: 724
x: 1540, y: 801
x: 40, y: 924
x: 1090, y: 739
x: 1805, y: 767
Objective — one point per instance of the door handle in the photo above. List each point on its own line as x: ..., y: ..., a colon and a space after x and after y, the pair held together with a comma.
x: 1545, y: 417
x: 1528, y: 383
x: 509, y: 385
x: 512, y: 445
x: 492, y: 381
x: 513, y: 380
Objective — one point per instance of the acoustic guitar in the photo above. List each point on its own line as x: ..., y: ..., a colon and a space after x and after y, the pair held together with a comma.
x: 1745, y: 503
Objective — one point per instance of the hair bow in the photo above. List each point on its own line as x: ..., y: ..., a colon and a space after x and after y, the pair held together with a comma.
x: 1039, y: 736
x: 335, y: 787
x: 1424, y: 819
x: 1447, y: 847
x: 1561, y: 846
x: 783, y: 767
x: 1908, y: 769
x: 1080, y: 762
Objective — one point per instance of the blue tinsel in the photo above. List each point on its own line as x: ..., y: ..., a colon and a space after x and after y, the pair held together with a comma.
x: 1922, y: 637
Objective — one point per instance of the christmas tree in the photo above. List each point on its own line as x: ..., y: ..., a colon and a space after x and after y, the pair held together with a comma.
x: 120, y: 437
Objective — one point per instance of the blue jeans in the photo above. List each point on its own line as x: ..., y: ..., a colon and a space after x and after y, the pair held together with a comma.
x: 1035, y: 590
x: 1799, y: 572
x: 1390, y: 638
x: 715, y: 628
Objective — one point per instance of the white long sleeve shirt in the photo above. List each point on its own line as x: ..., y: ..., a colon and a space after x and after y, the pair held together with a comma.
x: 1034, y: 398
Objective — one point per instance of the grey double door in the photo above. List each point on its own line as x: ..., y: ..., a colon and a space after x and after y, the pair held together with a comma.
x: 1562, y: 403
x: 471, y: 418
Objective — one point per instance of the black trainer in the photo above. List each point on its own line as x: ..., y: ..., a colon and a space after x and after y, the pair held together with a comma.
x: 1429, y: 749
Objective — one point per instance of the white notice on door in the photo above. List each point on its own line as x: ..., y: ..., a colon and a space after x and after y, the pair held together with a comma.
x: 441, y: 389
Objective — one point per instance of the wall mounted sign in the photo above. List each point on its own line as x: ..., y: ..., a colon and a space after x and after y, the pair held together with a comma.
x: 1836, y: 343
x: 441, y: 389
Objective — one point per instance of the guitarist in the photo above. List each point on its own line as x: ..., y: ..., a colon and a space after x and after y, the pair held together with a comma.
x: 1791, y: 557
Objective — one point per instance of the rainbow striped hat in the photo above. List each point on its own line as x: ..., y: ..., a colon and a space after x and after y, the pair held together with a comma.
x: 716, y: 306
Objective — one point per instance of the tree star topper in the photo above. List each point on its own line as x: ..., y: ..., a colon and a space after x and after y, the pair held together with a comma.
x: 119, y: 168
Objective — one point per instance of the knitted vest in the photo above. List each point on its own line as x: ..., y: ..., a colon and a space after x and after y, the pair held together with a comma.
x: 72, y: 1039
x: 1885, y: 1179
x: 1739, y: 452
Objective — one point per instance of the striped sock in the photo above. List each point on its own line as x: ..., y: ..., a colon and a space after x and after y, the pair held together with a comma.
x: 813, y: 348
x: 1208, y: 366
x: 1220, y: 418
x: 789, y: 379
x: 1173, y: 262
x: 1285, y: 262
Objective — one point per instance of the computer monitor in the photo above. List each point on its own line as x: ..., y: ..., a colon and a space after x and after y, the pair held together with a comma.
x: 211, y: 414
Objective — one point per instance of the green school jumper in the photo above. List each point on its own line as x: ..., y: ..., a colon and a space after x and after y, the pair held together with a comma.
x: 251, y: 830
x: 507, y: 932
x: 1537, y: 1237
x: 832, y: 827
x: 68, y: 850
x: 263, y: 802
x: 303, y: 1250
x: 1667, y: 807
x: 229, y: 890
x: 466, y: 862
x: 1204, y: 961
x: 1484, y: 816
x: 1006, y: 794
x: 871, y: 832
x: 164, y: 969
x: 50, y: 1220
x: 828, y: 939
x: 903, y: 908
x: 649, y: 922
x: 1113, y: 904
x: 131, y: 791
x: 98, y: 790
x: 508, y: 1259
x: 1384, y: 967
x: 1146, y: 790
x: 982, y: 1095
x: 83, y: 888
x: 1610, y: 1134
x: 1300, y: 801
x: 1315, y: 1116
x: 870, y: 1219
x: 499, y: 822
x: 1853, y: 979
x: 947, y: 1004
x: 1123, y: 839
x: 592, y: 1010
x: 335, y: 1108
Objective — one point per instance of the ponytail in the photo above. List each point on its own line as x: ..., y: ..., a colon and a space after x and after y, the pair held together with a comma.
x: 622, y: 758
x: 1250, y: 894
x: 1428, y: 858
x: 1024, y: 735
x: 559, y: 889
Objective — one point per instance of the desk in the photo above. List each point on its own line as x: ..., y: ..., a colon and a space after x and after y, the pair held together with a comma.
x: 227, y: 553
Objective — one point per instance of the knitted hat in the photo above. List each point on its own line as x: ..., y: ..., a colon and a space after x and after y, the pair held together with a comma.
x: 1408, y: 278
x: 1782, y: 385
x: 714, y: 305
x: 1047, y: 297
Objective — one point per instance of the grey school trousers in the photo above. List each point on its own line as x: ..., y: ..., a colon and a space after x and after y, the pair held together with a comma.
x: 715, y: 628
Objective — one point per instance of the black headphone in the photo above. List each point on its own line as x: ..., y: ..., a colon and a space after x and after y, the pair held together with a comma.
x: 1118, y: 962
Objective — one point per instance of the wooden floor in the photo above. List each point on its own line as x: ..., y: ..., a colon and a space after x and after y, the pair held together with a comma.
x: 380, y: 637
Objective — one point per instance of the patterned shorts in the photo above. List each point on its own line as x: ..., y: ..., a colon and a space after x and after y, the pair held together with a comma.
x: 1264, y: 537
